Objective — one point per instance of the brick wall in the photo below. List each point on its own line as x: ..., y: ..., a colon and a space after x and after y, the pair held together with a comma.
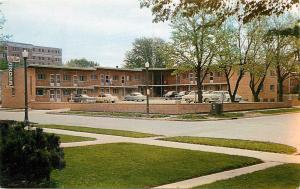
x: 156, y: 108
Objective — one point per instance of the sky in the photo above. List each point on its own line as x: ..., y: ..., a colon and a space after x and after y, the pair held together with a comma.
x: 98, y: 30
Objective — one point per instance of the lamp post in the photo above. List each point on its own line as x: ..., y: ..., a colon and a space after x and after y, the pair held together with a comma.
x: 147, y: 86
x: 25, y: 56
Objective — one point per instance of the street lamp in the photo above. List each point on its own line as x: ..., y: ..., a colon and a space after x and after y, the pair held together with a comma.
x: 147, y: 86
x: 25, y: 56
x: 176, y: 65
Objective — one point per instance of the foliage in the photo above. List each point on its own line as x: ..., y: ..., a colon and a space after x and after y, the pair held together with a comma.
x: 193, y: 44
x: 166, y: 10
x: 81, y: 63
x: 152, y: 50
x: 27, y: 157
x: 3, y: 65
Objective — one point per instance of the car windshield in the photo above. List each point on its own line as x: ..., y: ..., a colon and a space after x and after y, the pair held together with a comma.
x: 182, y: 93
x: 170, y: 92
x: 85, y: 96
x: 107, y: 95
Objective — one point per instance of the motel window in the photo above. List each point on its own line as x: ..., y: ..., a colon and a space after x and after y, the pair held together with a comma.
x: 40, y: 92
x: 123, y: 79
x: 272, y: 99
x: 42, y: 50
x: 102, y: 79
x: 115, y: 77
x: 191, y: 76
x: 67, y: 78
x: 41, y: 76
x: 265, y: 100
x: 66, y: 92
x: 128, y: 78
x: 52, y: 78
x: 102, y: 91
x: 107, y: 80
x: 84, y: 92
x: 82, y: 78
x: 211, y: 76
x: 115, y: 91
x: 272, y: 87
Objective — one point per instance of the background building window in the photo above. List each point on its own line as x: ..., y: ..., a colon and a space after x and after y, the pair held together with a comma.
x: 123, y: 79
x: 272, y: 87
x: 93, y: 76
x: 116, y: 91
x: 115, y: 77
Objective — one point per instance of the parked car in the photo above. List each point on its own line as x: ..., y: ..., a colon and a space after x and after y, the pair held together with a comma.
x: 135, y: 97
x: 180, y: 95
x: 83, y: 98
x: 106, y: 98
x: 223, y: 96
x: 193, y: 96
x: 170, y: 95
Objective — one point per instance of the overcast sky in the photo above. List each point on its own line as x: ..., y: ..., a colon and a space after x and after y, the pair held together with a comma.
x: 99, y: 30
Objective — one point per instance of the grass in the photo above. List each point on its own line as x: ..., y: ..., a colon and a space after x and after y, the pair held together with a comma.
x: 114, y: 114
x: 70, y: 138
x: 235, y: 143
x: 191, y: 117
x: 278, y: 111
x: 229, y: 115
x: 127, y: 165
x: 99, y: 131
x: 283, y: 176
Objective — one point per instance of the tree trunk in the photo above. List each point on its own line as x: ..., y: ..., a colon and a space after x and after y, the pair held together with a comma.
x: 199, y: 85
x: 280, y: 90
x: 256, y: 98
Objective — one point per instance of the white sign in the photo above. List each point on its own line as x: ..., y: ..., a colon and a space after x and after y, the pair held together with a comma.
x: 10, y: 74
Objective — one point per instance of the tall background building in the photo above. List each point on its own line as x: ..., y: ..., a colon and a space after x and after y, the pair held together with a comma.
x: 38, y: 55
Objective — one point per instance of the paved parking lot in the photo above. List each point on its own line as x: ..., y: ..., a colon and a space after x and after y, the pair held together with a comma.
x: 280, y: 128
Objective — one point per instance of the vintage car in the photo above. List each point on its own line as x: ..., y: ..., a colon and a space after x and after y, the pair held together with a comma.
x: 180, y: 95
x: 170, y: 95
x: 83, y: 98
x: 135, y: 97
x: 106, y: 98
x: 193, y: 97
x: 223, y: 96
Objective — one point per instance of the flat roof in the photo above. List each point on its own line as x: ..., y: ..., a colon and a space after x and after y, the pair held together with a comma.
x: 95, y: 68
x: 59, y: 67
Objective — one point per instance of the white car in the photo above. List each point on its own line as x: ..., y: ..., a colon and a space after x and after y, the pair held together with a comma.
x: 106, y: 98
x: 223, y: 96
x: 193, y: 97
x: 135, y: 97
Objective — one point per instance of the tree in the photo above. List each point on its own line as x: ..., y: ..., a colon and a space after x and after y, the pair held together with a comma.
x: 165, y: 10
x: 81, y: 63
x: 27, y: 157
x: 260, y: 59
x: 234, y: 43
x: 285, y: 50
x: 193, y: 40
x: 152, y: 50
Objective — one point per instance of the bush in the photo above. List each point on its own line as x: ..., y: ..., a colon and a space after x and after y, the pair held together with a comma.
x: 27, y: 157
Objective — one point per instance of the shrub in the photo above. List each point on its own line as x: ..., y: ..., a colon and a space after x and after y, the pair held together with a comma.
x: 27, y: 157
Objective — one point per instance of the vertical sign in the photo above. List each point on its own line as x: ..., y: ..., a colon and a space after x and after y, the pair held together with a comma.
x: 10, y: 74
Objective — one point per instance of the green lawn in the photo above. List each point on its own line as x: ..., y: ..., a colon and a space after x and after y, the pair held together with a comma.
x: 280, y: 177
x: 128, y: 165
x: 70, y: 138
x: 99, y: 131
x: 235, y: 143
x: 279, y: 111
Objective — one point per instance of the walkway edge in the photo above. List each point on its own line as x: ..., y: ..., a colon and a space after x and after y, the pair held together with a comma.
x: 190, y: 183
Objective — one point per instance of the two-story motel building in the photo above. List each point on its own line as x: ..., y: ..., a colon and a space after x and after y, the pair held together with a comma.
x: 47, y: 83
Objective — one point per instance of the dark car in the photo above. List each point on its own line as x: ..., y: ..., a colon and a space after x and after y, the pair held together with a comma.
x: 170, y: 95
x: 180, y: 95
